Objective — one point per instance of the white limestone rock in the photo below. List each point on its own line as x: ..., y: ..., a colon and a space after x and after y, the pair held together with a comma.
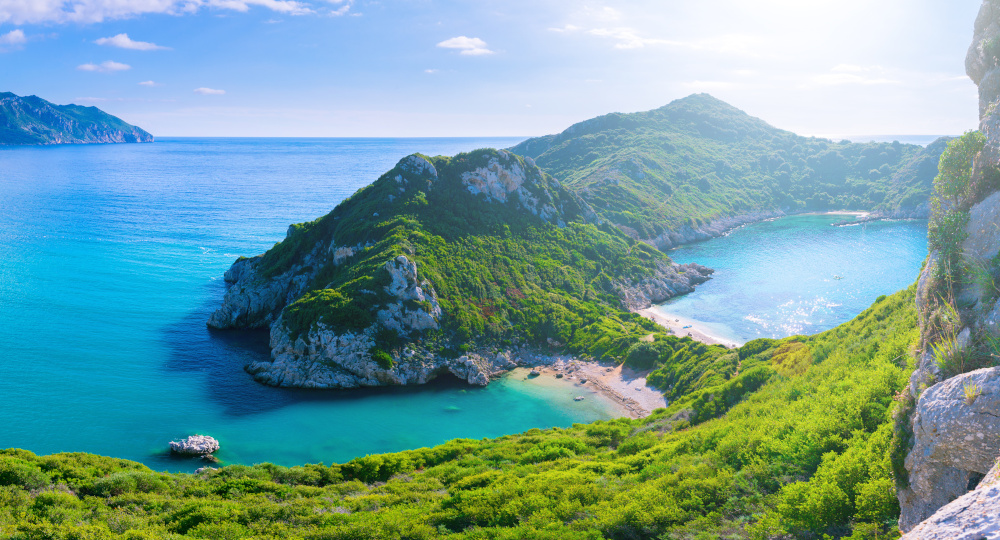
x: 956, y: 433
x: 195, y: 445
x: 973, y: 516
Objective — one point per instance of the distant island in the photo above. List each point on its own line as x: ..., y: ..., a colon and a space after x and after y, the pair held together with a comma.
x: 32, y: 120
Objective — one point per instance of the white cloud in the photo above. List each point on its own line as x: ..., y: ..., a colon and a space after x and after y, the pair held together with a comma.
x: 14, y: 37
x: 466, y: 45
x: 90, y: 99
x: 104, y: 67
x: 345, y: 6
x: 122, y: 41
x: 150, y: 83
x: 91, y: 11
x: 209, y: 91
x: 431, y: 71
x: 566, y: 29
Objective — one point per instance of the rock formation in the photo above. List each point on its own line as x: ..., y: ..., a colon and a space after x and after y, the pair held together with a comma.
x: 972, y: 516
x: 956, y: 422
x: 195, y: 445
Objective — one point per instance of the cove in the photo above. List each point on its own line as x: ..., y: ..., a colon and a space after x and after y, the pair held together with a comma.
x: 797, y: 274
x: 111, y: 261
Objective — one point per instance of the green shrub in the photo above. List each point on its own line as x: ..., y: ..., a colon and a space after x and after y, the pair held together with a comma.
x: 14, y: 472
x: 382, y: 358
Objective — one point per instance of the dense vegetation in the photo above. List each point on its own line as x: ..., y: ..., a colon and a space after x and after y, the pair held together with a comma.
x: 699, y: 159
x: 32, y: 120
x: 502, y: 274
x: 782, y: 437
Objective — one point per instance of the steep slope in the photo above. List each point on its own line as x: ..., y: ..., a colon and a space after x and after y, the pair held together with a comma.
x: 468, y: 265
x: 32, y: 120
x: 780, y: 439
x: 949, y: 423
x: 698, y: 166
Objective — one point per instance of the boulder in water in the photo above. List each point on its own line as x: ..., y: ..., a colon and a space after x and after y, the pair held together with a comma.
x: 195, y: 445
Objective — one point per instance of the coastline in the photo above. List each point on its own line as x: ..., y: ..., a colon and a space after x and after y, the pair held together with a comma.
x: 698, y: 330
x: 624, y: 388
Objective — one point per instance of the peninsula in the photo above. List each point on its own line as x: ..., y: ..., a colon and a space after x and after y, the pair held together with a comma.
x: 33, y: 121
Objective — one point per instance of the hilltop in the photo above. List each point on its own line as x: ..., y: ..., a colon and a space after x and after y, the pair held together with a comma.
x: 698, y: 166
x: 31, y: 120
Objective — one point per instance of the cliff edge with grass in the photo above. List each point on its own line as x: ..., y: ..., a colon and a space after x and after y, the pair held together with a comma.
x: 948, y: 429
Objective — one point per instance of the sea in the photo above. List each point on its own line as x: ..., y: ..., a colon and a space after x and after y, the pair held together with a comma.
x: 111, y: 261
x: 796, y: 275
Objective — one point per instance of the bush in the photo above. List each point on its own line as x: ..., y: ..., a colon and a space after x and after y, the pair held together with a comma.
x: 14, y: 472
x: 382, y: 358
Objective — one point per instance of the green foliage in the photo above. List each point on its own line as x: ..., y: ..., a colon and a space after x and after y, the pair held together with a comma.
x: 699, y: 159
x: 762, y: 455
x: 954, y: 180
x: 382, y: 358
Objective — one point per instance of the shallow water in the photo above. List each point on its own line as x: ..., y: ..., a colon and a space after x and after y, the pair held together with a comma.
x: 111, y: 258
x: 798, y: 274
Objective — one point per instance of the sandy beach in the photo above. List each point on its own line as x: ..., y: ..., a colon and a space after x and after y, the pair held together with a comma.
x: 621, y: 385
x: 698, y: 330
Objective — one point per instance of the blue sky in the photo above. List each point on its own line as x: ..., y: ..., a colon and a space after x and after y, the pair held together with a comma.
x: 491, y: 67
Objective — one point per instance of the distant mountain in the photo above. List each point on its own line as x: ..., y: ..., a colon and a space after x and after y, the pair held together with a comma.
x: 699, y: 166
x: 32, y: 120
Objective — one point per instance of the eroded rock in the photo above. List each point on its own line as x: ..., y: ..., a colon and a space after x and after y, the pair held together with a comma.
x: 195, y: 445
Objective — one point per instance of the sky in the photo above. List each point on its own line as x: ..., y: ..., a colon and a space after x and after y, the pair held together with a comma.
x: 429, y: 68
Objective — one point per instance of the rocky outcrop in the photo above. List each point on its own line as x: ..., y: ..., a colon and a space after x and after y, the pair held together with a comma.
x: 667, y: 281
x: 972, y: 516
x: 32, y: 120
x: 195, y: 445
x: 956, y: 431
x: 956, y: 422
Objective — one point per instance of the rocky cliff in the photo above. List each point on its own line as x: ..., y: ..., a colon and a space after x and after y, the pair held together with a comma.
x: 951, y: 411
x: 32, y: 120
x: 468, y: 265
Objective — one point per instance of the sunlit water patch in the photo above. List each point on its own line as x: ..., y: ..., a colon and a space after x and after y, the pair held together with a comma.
x: 799, y: 274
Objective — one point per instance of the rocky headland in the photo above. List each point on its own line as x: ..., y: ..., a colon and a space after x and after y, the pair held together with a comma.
x: 405, y: 308
x: 33, y: 121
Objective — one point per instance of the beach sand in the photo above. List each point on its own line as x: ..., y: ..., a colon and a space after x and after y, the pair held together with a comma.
x: 625, y: 388
x: 699, y: 331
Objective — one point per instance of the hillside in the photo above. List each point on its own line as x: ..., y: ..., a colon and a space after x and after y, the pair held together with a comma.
x: 469, y: 265
x: 780, y: 439
x: 32, y: 120
x: 698, y: 166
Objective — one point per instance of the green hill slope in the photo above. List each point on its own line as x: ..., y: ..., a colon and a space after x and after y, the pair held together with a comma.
x: 698, y: 166
x: 789, y: 438
x: 32, y: 120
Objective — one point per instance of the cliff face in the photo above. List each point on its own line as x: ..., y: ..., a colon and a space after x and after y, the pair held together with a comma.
x: 445, y: 265
x: 31, y: 120
x: 955, y: 424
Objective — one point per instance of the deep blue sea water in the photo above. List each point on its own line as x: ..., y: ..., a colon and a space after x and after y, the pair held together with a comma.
x: 779, y: 278
x: 111, y: 259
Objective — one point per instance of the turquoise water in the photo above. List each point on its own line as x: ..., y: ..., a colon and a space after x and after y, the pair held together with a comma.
x: 111, y: 260
x: 779, y: 278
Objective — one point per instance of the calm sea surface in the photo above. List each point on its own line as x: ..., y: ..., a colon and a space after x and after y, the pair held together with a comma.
x: 798, y: 275
x: 111, y: 259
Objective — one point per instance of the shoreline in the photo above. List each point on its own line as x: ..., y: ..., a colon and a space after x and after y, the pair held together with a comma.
x: 623, y: 387
x: 698, y: 330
